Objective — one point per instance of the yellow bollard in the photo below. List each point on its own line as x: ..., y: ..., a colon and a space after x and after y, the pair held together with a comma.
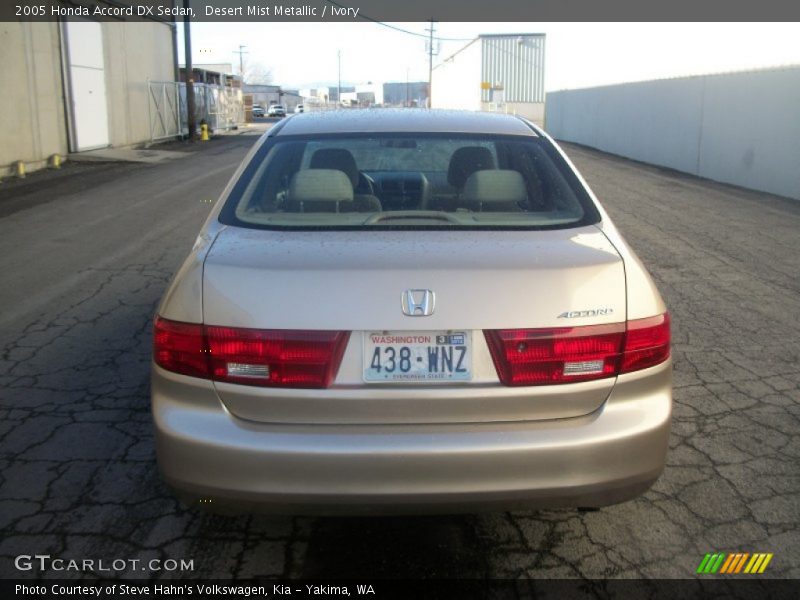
x: 203, y: 132
x: 19, y: 169
x: 55, y: 161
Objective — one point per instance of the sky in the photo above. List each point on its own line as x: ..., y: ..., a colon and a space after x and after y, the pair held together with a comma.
x: 576, y: 55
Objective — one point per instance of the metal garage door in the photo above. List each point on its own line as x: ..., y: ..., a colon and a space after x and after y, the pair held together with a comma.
x: 87, y: 85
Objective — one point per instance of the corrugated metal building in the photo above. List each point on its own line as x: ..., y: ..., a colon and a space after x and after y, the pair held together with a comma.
x: 497, y: 72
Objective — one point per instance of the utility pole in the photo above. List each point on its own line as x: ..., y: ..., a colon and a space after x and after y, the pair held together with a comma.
x: 408, y: 101
x: 339, y: 89
x: 241, y: 54
x: 176, y: 68
x: 187, y: 50
x: 430, y: 66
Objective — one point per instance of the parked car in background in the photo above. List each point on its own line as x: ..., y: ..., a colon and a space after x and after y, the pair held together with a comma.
x: 276, y: 110
x: 425, y: 312
x: 299, y: 108
x: 258, y: 110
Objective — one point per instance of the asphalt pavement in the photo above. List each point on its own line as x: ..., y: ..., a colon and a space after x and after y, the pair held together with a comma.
x: 85, y: 258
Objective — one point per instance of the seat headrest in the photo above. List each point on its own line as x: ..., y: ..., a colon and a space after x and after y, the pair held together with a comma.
x: 320, y: 185
x: 336, y: 158
x: 465, y: 161
x: 496, y: 189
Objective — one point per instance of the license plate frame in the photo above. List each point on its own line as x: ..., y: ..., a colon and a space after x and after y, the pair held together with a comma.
x: 432, y: 357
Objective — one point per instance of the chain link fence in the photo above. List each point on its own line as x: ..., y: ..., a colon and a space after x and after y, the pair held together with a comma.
x: 220, y: 107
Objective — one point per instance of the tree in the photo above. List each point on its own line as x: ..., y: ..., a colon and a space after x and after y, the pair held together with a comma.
x: 256, y: 73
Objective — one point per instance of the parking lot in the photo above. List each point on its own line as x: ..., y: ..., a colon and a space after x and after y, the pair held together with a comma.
x: 85, y: 259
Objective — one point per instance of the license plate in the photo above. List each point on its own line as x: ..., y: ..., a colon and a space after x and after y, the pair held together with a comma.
x: 417, y: 356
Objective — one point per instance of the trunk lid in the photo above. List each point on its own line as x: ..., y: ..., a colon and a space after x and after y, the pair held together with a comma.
x: 355, y: 280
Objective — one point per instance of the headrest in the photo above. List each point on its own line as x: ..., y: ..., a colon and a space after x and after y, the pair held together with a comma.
x: 336, y: 158
x: 320, y: 185
x: 495, y: 187
x: 465, y: 161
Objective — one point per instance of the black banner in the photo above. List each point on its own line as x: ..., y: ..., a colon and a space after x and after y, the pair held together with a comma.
x: 402, y: 10
x: 744, y: 588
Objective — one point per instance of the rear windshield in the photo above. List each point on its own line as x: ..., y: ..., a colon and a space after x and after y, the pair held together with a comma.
x: 408, y: 181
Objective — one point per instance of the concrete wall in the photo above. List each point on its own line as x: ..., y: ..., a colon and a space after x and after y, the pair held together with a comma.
x: 740, y: 128
x: 32, y: 122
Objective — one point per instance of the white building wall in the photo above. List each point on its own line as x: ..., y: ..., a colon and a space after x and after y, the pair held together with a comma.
x: 656, y: 122
x: 740, y: 128
x: 533, y: 111
x: 751, y: 130
x: 32, y: 121
x: 135, y: 52
x: 456, y: 82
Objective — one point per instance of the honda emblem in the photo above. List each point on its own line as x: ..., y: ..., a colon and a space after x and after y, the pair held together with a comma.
x: 418, y: 303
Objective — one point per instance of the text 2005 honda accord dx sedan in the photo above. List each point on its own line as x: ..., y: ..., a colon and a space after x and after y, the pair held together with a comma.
x: 410, y: 310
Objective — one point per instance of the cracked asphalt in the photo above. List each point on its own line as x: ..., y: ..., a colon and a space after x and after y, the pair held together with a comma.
x: 84, y: 261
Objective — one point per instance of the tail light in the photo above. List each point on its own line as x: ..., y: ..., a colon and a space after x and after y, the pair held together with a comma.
x: 647, y: 343
x: 180, y: 348
x: 259, y: 357
x: 275, y: 357
x: 562, y: 355
x: 572, y: 354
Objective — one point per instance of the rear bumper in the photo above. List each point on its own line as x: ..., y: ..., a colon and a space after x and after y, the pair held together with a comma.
x: 608, y: 456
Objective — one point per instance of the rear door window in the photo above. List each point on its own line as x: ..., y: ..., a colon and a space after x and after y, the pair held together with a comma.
x: 411, y: 181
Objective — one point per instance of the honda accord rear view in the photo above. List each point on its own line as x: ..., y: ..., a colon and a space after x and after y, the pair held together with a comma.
x: 410, y: 311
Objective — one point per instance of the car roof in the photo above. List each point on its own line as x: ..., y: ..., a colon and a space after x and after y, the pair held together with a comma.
x: 404, y: 120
